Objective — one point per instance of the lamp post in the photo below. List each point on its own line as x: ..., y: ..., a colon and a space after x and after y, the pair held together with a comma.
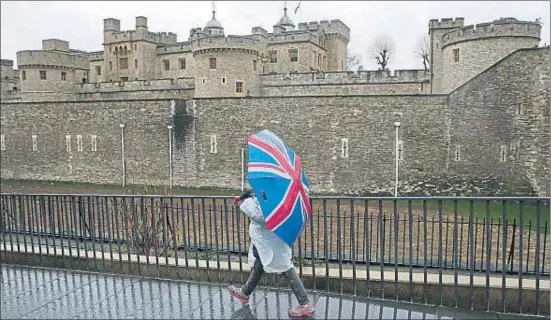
x: 169, y: 156
x: 397, y: 129
x: 123, y: 159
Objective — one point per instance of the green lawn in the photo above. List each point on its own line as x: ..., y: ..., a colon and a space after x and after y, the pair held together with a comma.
x: 463, y: 206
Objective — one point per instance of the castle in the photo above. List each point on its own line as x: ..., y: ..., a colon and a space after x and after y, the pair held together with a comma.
x: 475, y: 123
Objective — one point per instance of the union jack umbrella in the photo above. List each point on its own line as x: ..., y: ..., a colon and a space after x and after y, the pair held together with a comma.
x: 276, y: 177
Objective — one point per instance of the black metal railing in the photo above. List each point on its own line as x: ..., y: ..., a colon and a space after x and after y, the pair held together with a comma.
x: 507, y: 237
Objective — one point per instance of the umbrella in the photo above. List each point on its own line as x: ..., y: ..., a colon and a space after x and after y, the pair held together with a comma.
x: 276, y: 177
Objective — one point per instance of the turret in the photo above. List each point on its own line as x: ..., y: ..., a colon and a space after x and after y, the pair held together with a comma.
x: 436, y: 30
x: 141, y: 25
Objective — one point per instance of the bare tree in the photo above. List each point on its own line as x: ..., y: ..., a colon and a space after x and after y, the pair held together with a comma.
x: 382, y: 50
x: 422, y: 50
x: 352, y: 60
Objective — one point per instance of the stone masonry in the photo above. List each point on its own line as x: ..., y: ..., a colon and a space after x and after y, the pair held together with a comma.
x: 469, y: 126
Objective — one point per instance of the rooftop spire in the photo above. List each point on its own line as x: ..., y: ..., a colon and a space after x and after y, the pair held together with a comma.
x: 213, y: 10
x: 285, y: 7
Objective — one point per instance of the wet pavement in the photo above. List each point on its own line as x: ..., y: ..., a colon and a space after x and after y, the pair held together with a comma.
x: 38, y: 293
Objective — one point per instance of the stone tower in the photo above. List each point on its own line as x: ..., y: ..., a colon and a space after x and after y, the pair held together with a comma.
x: 226, y: 66
x: 459, y: 54
x: 436, y: 30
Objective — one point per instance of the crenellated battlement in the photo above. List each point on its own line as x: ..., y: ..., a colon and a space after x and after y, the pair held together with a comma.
x: 53, y: 59
x: 345, y: 77
x: 174, y: 48
x: 6, y: 63
x: 328, y: 26
x: 159, y: 84
x: 447, y: 23
x: 229, y: 42
x: 499, y: 28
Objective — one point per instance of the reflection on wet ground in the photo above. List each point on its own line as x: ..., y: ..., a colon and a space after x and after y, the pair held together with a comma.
x: 33, y: 293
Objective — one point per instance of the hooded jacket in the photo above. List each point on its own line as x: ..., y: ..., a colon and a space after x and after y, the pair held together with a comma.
x: 274, y: 254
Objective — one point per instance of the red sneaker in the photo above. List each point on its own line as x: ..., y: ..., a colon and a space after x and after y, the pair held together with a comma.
x: 236, y: 293
x: 302, y: 311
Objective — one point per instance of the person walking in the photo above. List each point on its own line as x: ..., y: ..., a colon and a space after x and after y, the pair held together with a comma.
x: 268, y: 254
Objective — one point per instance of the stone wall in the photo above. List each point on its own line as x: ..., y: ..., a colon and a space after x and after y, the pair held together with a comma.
x: 501, y: 151
x: 345, y: 89
x: 485, y: 118
x: 146, y: 139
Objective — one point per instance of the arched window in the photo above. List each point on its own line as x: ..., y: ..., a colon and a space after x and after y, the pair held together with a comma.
x: 116, y: 50
x: 125, y: 50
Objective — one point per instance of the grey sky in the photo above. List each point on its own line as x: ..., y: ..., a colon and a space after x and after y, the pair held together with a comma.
x: 25, y: 24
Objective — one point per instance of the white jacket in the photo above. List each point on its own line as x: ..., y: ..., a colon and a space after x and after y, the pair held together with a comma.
x: 274, y: 254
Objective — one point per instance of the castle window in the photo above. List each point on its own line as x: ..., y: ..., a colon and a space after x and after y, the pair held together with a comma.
x: 116, y: 50
x: 213, y: 144
x: 457, y: 153
x: 98, y: 70
x: 224, y: 80
x: 239, y: 86
x: 24, y: 75
x: 519, y: 109
x: 455, y: 53
x: 344, y: 148
x: 125, y: 50
x: 94, y: 143
x: 293, y: 55
x: 182, y: 63
x: 110, y: 65
x: 254, y: 65
x: 319, y: 60
x: 212, y: 63
x: 123, y: 63
x: 324, y: 61
x: 273, y: 56
x: 68, y: 142
x: 166, y: 64
x: 502, y: 153
x: 513, y: 149
x: 135, y: 63
x: 35, y: 142
x: 79, y: 142
x: 63, y: 76
x: 2, y: 143
x: 203, y: 80
x: 42, y: 75
x: 135, y: 47
x: 400, y: 150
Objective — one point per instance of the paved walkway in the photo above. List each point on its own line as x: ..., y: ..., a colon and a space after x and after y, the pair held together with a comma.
x: 31, y: 293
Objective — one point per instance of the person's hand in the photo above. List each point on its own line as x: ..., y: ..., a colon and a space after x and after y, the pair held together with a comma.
x: 236, y: 200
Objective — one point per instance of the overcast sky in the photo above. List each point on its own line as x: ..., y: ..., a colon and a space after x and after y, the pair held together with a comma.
x: 25, y: 24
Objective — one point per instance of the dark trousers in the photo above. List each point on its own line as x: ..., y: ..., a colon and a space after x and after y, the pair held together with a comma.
x: 291, y: 275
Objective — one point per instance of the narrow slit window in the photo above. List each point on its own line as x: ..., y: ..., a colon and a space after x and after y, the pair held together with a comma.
x: 35, y: 142
x: 68, y: 142
x: 455, y: 55
x: 79, y: 143
x: 344, y: 148
x: 2, y: 142
x: 519, y: 109
x: 94, y: 143
x: 213, y: 144
x: 457, y: 153
x: 502, y: 154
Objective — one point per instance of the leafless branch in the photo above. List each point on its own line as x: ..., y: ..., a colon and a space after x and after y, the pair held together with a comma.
x: 422, y: 50
x: 382, y: 50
